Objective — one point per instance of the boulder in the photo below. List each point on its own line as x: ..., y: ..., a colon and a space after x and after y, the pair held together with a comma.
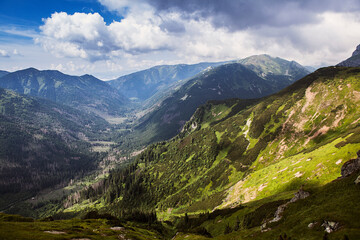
x: 351, y: 166
x: 357, y: 180
x: 117, y: 228
x: 301, y: 194
x: 330, y: 226
x: 313, y: 224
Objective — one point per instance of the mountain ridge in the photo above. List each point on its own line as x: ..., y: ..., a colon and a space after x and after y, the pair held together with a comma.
x: 43, y: 144
x: 353, y: 61
x: 252, y: 80
x: 144, y: 84
x: 3, y: 73
x: 84, y: 92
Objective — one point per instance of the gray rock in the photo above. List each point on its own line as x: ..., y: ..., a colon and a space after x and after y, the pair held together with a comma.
x: 357, y: 51
x: 357, y: 180
x: 117, y: 228
x: 330, y: 226
x: 279, y: 212
x: 301, y: 194
x: 353, y: 61
x: 351, y: 166
x: 312, y: 225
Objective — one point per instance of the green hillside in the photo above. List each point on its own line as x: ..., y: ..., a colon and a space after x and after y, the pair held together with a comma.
x: 235, y: 156
x: 106, y: 227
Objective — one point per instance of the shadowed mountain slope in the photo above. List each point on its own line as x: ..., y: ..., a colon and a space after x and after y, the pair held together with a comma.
x: 85, y: 92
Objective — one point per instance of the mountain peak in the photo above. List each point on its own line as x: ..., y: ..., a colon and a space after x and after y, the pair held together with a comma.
x: 353, y: 61
x: 31, y: 69
x: 357, y: 51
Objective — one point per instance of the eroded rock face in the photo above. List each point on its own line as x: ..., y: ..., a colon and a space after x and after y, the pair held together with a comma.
x: 351, y: 166
x: 357, y: 51
x: 353, y: 61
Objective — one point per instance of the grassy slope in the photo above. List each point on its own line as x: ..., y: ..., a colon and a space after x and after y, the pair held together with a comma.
x: 300, y: 136
x: 285, y: 148
x: 16, y: 227
x: 335, y: 201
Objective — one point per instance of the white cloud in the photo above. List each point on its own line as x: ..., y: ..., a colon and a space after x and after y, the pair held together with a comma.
x: 137, y: 34
x: 76, y: 35
x: 327, y: 42
x: 83, y: 43
x: 87, y: 36
x: 144, y: 32
x: 4, y: 53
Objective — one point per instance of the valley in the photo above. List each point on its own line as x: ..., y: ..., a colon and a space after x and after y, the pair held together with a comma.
x: 210, y: 150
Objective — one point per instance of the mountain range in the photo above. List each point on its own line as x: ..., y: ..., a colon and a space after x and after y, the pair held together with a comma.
x: 86, y: 92
x: 254, y: 77
x: 3, y: 73
x: 258, y: 148
x: 144, y: 84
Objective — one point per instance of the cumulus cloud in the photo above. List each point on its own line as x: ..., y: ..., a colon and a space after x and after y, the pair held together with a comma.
x: 311, y: 32
x: 76, y: 35
x: 87, y: 36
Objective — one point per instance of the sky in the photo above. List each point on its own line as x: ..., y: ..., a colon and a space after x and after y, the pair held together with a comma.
x: 111, y: 38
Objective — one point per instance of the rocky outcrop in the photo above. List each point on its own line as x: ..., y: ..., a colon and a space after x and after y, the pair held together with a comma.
x: 351, y: 166
x: 357, y: 180
x: 301, y: 194
x: 330, y: 226
x: 353, y: 61
x: 357, y: 51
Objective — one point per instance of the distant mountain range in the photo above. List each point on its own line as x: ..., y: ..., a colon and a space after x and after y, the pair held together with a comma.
x: 85, y: 92
x: 3, y: 73
x: 253, y: 77
x: 144, y: 84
